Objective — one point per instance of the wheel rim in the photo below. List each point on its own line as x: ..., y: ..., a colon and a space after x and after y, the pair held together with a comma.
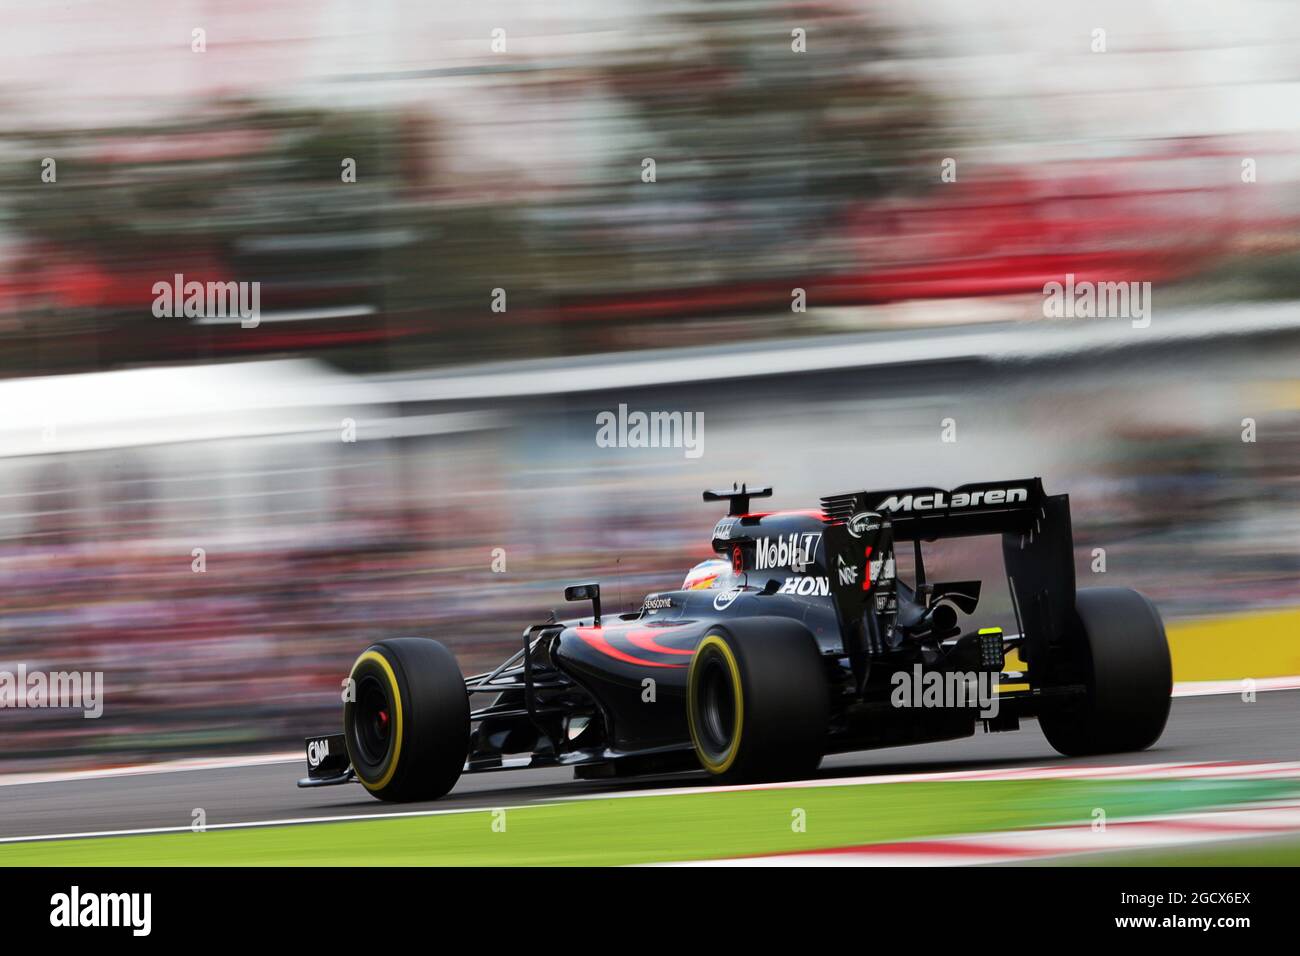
x: 373, y: 720
x: 717, y: 706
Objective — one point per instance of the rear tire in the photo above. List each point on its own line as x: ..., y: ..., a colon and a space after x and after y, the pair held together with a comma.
x: 1125, y: 664
x: 407, y: 726
x: 757, y: 701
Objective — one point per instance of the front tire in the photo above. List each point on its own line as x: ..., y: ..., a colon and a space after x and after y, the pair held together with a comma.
x: 1125, y: 663
x: 757, y: 701
x: 407, y: 725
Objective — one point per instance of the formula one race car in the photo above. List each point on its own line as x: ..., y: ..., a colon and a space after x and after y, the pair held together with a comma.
x: 799, y: 641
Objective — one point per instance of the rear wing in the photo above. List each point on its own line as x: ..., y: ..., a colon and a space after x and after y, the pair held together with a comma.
x: 993, y: 507
x: 1037, y: 542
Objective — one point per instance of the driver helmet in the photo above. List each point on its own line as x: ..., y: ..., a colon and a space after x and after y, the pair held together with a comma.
x: 707, y: 575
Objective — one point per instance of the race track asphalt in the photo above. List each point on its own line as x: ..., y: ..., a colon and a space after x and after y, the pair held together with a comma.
x: 1219, y: 728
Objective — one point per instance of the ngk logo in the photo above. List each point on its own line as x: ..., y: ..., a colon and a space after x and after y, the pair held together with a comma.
x: 793, y: 551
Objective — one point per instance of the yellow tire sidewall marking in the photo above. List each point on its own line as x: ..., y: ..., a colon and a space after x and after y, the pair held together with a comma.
x: 387, y: 668
x: 716, y: 641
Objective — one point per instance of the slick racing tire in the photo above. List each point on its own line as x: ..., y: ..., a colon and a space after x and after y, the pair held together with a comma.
x: 757, y: 701
x: 1124, y: 662
x: 407, y: 724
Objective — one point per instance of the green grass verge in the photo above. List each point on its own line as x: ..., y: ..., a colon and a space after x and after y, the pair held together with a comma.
x: 652, y: 829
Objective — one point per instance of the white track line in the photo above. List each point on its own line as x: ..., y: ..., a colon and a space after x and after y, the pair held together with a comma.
x: 169, y: 766
x: 1209, y: 688
x: 1184, y: 689
x: 252, y: 824
x: 1227, y: 770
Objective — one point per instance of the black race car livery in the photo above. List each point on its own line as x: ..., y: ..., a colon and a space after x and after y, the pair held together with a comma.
x: 807, y: 643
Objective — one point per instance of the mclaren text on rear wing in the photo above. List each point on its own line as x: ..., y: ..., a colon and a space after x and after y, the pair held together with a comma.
x: 993, y: 507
